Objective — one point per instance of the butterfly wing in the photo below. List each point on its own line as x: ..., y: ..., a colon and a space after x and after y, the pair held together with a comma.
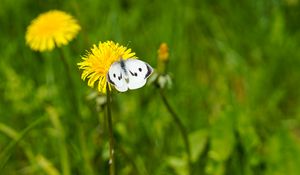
x: 137, y: 72
x: 116, y: 77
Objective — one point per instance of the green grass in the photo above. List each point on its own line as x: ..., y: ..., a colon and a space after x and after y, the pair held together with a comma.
x: 235, y: 68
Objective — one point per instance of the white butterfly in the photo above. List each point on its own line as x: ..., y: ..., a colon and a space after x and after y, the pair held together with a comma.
x: 129, y: 74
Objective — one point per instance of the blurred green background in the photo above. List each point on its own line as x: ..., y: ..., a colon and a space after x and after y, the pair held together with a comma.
x: 235, y: 67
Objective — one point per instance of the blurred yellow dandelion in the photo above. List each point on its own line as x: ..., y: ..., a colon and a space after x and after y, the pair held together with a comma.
x: 50, y: 29
x: 163, y: 52
x: 96, y: 63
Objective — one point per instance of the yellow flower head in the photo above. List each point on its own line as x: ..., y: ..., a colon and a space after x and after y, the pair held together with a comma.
x: 96, y: 63
x: 50, y: 29
x: 163, y: 52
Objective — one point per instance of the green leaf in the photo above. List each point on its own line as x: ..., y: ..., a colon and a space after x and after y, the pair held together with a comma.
x: 222, y: 139
x: 198, y: 141
x: 6, y: 153
x: 178, y: 164
x: 283, y: 154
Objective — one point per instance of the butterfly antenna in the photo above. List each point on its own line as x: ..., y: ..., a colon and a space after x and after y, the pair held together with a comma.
x: 129, y: 42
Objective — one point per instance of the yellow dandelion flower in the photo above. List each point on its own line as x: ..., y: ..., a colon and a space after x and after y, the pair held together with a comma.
x: 96, y: 63
x: 163, y: 52
x: 50, y: 29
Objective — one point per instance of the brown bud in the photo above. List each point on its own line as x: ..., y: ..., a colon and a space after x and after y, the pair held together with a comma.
x: 163, y: 52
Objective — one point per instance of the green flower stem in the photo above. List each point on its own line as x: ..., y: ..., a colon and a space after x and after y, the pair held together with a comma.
x: 70, y: 81
x: 110, y: 130
x: 180, y: 126
x: 63, y: 151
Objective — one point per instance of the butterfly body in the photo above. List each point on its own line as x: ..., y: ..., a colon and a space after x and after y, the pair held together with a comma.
x: 129, y: 74
x: 123, y: 67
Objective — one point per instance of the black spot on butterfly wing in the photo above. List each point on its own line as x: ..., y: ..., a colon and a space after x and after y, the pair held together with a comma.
x: 133, y: 74
x: 109, y: 79
x: 115, y: 78
x: 120, y: 77
x: 149, y: 71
